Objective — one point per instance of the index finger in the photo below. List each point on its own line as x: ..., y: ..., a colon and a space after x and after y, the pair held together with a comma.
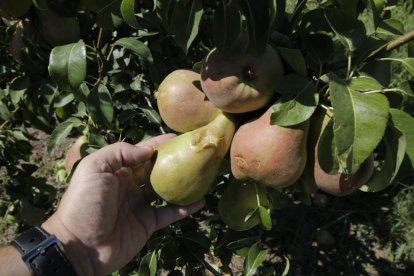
x: 155, y: 141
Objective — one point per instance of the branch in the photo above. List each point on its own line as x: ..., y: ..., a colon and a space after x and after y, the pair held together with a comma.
x: 396, y: 43
x: 390, y: 46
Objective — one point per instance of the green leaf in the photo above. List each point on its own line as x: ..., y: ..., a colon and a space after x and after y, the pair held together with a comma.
x: 260, y: 16
x: 137, y: 47
x: 226, y: 26
x: 148, y: 264
x: 18, y: 89
x: 67, y: 65
x: 287, y: 267
x: 365, y: 83
x: 408, y: 63
x: 372, y: 16
x: 128, y: 13
x: 63, y: 99
x: 390, y: 28
x: 255, y: 258
x: 100, y: 105
x: 327, y: 156
x: 298, y: 102
x: 410, y: 46
x: 96, y: 140
x: 350, y: 31
x: 359, y: 123
x: 294, y: 58
x: 238, y: 205
x: 61, y: 132
x: 395, y: 147
x: 404, y: 122
x: 5, y: 114
x: 185, y: 21
x: 406, y: 88
x: 152, y: 115
x: 110, y: 16
x: 242, y: 243
x: 265, y: 218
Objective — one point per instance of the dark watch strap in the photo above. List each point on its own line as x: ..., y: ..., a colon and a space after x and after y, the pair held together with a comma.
x: 42, y: 253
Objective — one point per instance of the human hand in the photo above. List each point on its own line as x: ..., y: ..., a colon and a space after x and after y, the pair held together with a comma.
x: 105, y: 216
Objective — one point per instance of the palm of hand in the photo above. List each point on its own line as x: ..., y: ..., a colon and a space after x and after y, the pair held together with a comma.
x: 107, y: 205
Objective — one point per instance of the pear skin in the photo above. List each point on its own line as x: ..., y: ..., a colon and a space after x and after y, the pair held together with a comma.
x: 76, y: 152
x: 270, y: 154
x: 185, y: 167
x: 182, y: 104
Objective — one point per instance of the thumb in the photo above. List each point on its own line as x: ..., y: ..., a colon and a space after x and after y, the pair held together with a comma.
x: 166, y: 215
x: 113, y: 157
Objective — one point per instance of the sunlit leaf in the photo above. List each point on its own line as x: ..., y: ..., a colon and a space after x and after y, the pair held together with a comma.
x: 404, y: 122
x: 152, y: 115
x: 408, y: 63
x: 128, y: 13
x: 359, y: 123
x: 67, y: 65
x: 61, y: 132
x: 148, y: 264
x: 298, y: 102
x: 137, y: 47
x: 255, y: 258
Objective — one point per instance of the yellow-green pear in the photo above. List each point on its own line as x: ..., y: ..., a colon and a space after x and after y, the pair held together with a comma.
x: 185, y: 167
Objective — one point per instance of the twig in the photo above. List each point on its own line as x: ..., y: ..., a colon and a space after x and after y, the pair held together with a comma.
x: 102, y: 60
x: 400, y: 41
x: 392, y: 45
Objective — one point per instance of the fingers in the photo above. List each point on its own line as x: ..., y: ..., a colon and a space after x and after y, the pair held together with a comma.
x: 168, y: 214
x: 113, y: 157
x: 155, y: 141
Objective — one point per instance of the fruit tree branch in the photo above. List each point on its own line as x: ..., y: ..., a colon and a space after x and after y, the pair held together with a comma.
x: 394, y: 44
x: 390, y: 46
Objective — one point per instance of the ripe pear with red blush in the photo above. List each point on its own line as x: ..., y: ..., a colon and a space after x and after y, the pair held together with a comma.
x: 182, y: 104
x: 240, y: 81
x: 271, y: 154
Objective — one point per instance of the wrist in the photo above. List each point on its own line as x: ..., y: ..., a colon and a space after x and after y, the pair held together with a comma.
x: 75, y: 251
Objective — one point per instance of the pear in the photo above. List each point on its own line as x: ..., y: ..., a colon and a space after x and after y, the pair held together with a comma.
x: 182, y: 104
x: 185, y: 167
x: 334, y: 184
x: 240, y: 81
x: 270, y: 154
x: 76, y: 152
